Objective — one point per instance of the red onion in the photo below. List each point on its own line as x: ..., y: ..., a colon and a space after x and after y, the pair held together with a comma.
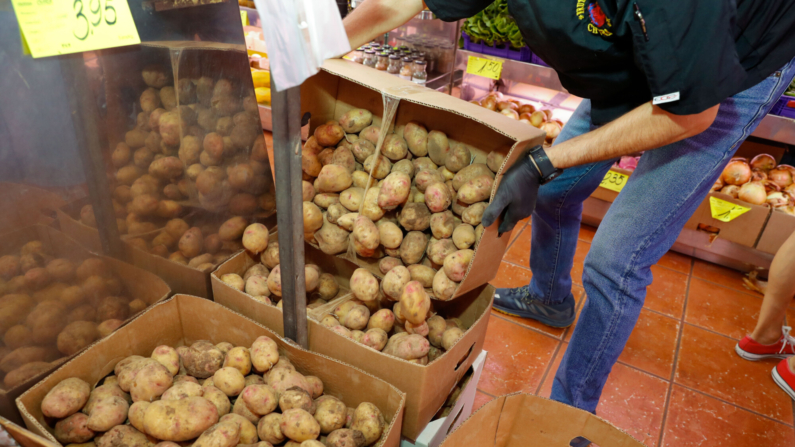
x: 781, y: 177
x: 753, y: 192
x: 737, y: 172
x: 732, y: 190
x: 758, y: 175
x: 777, y: 199
x: 764, y: 162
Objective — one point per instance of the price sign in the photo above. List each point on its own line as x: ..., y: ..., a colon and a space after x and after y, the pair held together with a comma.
x: 725, y: 211
x: 614, y: 181
x: 53, y: 27
x: 244, y: 17
x: 484, y: 67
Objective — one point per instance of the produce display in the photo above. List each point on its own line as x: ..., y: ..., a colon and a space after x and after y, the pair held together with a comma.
x: 417, y: 204
x: 262, y: 85
x: 759, y: 182
x: 197, y: 150
x: 524, y: 112
x: 495, y: 26
x: 54, y: 307
x: 208, y: 396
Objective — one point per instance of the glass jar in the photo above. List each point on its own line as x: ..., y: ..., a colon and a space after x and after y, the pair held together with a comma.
x: 383, y: 62
x: 419, y: 76
x: 358, y: 55
x: 370, y: 58
x: 394, y: 65
x: 407, y: 69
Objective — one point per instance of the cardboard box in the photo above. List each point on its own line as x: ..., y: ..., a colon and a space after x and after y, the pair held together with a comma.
x: 138, y: 283
x: 185, y: 319
x: 25, y: 205
x: 342, y: 85
x: 437, y: 430
x: 744, y: 229
x: 608, y: 195
x: 779, y: 227
x: 426, y: 386
x: 271, y: 316
x: 522, y: 420
x: 69, y: 220
x: 23, y: 437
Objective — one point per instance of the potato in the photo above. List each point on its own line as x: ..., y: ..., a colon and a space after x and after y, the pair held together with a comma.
x: 254, y: 379
x: 76, y: 336
x: 229, y: 380
x: 296, y: 397
x: 233, y: 228
x: 222, y: 434
x: 342, y: 156
x: 257, y: 285
x: 388, y: 263
x: 224, y: 347
x: 378, y: 166
x: 394, y: 190
x: 275, y: 281
x: 282, y: 378
x: 255, y: 238
x: 191, y: 243
x: 394, y: 281
x: 313, y: 217
x: 367, y: 418
x: 73, y: 429
x: 494, y: 161
x: 362, y: 149
x: 443, y: 287
x: 259, y: 399
x: 364, y: 285
x: 179, y: 420
x: 248, y: 431
x: 299, y: 425
x: 438, y: 146
x: 345, y: 437
x: 264, y: 354
x: 416, y: 138
x: 234, y: 280
x: 270, y: 257
x: 256, y: 270
x: 439, y: 249
x: 436, y: 327
x: 476, y: 190
x: 405, y: 167
x: 326, y: 199
x: 166, y: 168
x: 450, y: 337
x: 457, y: 158
x: 383, y: 319
x: 329, y: 134
x: 426, y: 178
x: 471, y: 172
x: 366, y: 233
x: 217, y: 398
x: 457, y: 264
x: 394, y: 147
x: 150, y: 382
x: 370, y: 206
x: 66, y: 398
x: 407, y: 346
x: 155, y: 76
x: 172, y: 127
x: 120, y: 436
x: 414, y: 303
x: 47, y: 320
x: 168, y: 357
x: 107, y: 413
x: 424, y: 164
x: 25, y: 373
x: 437, y: 197
x: 413, y: 247
x: 269, y: 428
x: 352, y: 198
x: 357, y: 318
x: 464, y: 236
x: 333, y: 178
x: 202, y: 359
x: 354, y: 120
x: 415, y: 217
x: 474, y: 213
x: 446, y: 174
x: 331, y: 239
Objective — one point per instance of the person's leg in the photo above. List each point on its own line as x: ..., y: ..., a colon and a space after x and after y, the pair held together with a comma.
x: 639, y: 228
x: 778, y: 295
x: 555, y: 228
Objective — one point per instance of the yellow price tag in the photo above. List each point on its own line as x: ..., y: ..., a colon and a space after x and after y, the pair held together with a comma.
x: 484, y: 67
x: 725, y: 211
x: 614, y: 181
x: 244, y: 17
x: 53, y: 27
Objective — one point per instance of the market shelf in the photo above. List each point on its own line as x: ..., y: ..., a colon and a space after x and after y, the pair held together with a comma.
x: 776, y: 128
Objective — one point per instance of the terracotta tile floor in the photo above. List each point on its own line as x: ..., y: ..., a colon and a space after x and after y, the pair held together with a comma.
x: 678, y: 381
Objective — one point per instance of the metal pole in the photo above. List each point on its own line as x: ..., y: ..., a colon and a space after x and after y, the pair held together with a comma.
x: 286, y: 106
x: 84, y: 112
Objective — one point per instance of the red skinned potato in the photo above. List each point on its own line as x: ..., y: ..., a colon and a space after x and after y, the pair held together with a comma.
x: 438, y: 147
x: 73, y: 429
x: 179, y: 420
x: 470, y: 172
x: 333, y: 178
x: 416, y: 138
x: 407, y: 346
x: 426, y: 178
x: 66, y: 398
x: 364, y: 285
x: 414, y: 303
x: 476, y: 190
x: 366, y: 233
x: 394, y: 190
x: 255, y: 238
x: 443, y: 287
x: 394, y: 147
x: 394, y: 282
x: 456, y: 264
x: 354, y: 120
x: 191, y: 243
x: 329, y: 134
x: 437, y: 197
x: 412, y: 249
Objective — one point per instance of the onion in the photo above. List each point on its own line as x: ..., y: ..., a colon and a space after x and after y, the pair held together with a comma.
x: 731, y: 190
x: 527, y: 108
x: 489, y: 102
x: 718, y: 185
x: 777, y: 199
x: 787, y: 210
x: 764, y: 162
x: 770, y: 186
x: 475, y: 101
x: 780, y: 176
x: 758, y: 175
x: 552, y: 129
x: 538, y: 118
x: 753, y: 192
x: 502, y: 105
x: 790, y: 190
x: 737, y: 172
x: 510, y: 113
x: 739, y: 159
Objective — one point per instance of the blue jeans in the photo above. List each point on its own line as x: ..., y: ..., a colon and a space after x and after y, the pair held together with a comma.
x: 640, y: 227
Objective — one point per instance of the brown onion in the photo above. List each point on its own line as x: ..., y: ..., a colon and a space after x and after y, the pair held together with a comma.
x: 764, y: 162
x: 718, y: 185
x: 538, y: 118
x: 475, y: 101
x: 737, y: 172
x: 777, y: 199
x: 787, y: 209
x: 527, y: 108
x: 781, y: 177
x: 753, y: 192
x: 489, y: 102
x: 510, y: 113
x: 552, y: 129
x: 770, y: 186
x: 758, y: 175
x: 731, y: 190
x: 502, y: 105
x: 790, y: 190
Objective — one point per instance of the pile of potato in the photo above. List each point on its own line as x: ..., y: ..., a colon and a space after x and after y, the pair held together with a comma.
x: 53, y: 307
x: 410, y: 330
x: 198, y: 144
x: 208, y: 396
x: 202, y: 246
x: 422, y: 205
x: 263, y: 281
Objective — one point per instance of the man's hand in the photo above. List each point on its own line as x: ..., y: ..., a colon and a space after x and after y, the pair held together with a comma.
x: 516, y: 195
x: 373, y: 18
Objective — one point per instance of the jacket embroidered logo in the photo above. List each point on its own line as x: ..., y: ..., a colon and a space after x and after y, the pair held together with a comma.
x: 598, y: 22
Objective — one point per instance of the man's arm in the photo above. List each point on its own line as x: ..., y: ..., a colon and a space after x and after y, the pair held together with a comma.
x: 375, y: 17
x: 645, y: 128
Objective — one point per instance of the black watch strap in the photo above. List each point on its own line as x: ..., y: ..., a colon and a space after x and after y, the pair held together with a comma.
x: 545, y: 168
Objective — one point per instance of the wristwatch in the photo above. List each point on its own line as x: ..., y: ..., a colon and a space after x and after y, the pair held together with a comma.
x: 542, y: 163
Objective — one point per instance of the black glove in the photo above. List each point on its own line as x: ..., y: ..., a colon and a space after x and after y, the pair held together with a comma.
x: 516, y: 195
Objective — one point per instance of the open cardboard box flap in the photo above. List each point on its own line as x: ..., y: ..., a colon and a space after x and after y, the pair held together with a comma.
x: 520, y: 420
x: 185, y: 319
x: 343, y: 85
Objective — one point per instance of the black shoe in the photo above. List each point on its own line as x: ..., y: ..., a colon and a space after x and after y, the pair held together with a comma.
x: 517, y: 303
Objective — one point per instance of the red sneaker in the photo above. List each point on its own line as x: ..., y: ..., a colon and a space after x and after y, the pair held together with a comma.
x: 785, y: 377
x: 749, y: 349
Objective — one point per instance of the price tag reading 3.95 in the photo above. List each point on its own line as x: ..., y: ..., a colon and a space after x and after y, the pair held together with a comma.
x: 614, y: 181
x: 72, y: 26
x: 488, y: 68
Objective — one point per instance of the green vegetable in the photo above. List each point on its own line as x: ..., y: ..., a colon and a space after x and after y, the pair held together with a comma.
x: 791, y: 89
x: 495, y: 26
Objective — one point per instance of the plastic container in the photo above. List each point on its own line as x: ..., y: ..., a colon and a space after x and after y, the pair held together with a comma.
x: 504, y: 50
x: 785, y: 106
